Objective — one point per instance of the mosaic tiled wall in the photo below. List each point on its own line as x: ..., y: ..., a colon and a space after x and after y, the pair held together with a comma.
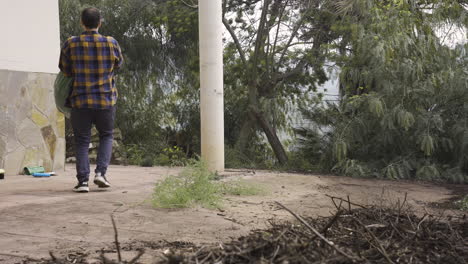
x: 32, y: 131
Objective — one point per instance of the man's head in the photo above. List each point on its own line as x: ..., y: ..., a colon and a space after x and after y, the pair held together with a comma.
x: 91, y: 18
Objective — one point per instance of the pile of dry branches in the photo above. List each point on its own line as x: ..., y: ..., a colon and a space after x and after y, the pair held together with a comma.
x: 354, y: 234
x: 363, y: 235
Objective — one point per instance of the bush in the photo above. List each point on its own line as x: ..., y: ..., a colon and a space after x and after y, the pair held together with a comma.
x: 401, y: 111
x: 172, y: 156
x: 148, y: 161
x: 462, y: 204
x: 147, y: 155
x: 301, y: 163
x: 134, y: 154
x: 236, y: 159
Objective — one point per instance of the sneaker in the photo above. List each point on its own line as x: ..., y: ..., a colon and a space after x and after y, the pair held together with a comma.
x: 81, y: 187
x: 101, y: 181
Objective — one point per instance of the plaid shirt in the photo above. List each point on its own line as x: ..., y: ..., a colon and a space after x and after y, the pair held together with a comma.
x: 91, y: 60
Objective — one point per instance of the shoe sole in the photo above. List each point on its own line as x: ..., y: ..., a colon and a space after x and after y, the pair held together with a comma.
x: 81, y: 190
x: 101, y: 184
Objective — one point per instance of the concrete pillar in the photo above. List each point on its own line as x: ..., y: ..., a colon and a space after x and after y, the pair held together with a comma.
x: 211, y: 81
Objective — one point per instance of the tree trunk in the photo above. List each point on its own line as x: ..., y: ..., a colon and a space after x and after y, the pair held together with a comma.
x: 273, y: 139
x: 245, y: 134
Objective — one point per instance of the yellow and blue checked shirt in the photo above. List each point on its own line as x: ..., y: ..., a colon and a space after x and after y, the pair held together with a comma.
x: 91, y: 60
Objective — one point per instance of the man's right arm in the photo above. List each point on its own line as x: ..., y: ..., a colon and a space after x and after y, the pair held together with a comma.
x: 65, y: 64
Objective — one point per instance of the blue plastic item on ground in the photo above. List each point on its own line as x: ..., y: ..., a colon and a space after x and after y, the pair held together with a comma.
x: 37, y: 174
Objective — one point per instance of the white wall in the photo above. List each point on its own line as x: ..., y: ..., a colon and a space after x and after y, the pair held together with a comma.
x: 30, y: 35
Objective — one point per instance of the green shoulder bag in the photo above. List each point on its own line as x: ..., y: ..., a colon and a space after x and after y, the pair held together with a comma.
x: 62, y: 90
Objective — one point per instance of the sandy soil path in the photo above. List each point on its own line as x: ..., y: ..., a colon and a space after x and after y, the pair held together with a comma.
x: 38, y: 215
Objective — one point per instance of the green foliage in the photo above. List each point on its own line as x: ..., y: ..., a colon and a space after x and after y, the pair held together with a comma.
x: 196, y: 186
x: 428, y: 172
x: 135, y: 154
x: 351, y: 168
x: 341, y: 149
x: 149, y: 155
x: 462, y: 204
x: 298, y: 162
x: 256, y: 156
x: 236, y: 159
x: 172, y: 157
x: 158, y: 95
x: 148, y: 161
x: 162, y: 160
x: 403, y: 111
x: 271, y: 66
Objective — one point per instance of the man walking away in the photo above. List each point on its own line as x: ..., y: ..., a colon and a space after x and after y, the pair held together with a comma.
x: 91, y: 60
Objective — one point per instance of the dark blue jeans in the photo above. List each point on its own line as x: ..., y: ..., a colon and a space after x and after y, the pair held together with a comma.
x: 82, y: 121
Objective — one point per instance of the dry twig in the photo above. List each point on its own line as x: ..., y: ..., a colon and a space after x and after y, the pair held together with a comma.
x: 318, y: 234
x: 116, y: 236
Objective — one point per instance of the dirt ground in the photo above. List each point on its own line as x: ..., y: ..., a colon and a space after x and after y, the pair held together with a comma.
x: 42, y: 215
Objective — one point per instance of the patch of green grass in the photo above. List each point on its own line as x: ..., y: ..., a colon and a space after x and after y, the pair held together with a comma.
x: 196, y: 185
x: 462, y: 204
x: 241, y: 188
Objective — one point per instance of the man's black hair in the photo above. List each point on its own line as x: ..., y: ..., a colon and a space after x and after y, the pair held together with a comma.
x: 91, y: 17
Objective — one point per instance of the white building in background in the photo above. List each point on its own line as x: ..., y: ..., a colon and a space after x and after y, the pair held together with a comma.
x: 32, y: 131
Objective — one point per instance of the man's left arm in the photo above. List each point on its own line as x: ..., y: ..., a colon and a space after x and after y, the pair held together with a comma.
x: 118, y: 56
